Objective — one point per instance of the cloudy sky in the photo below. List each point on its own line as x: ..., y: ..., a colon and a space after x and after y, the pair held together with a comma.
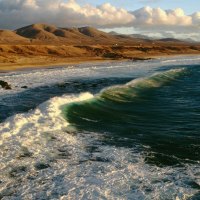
x: 168, y: 18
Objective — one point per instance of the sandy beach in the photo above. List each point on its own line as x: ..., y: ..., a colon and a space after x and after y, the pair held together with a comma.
x: 19, y: 57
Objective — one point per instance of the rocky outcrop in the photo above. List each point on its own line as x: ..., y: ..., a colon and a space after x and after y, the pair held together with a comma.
x: 5, y: 85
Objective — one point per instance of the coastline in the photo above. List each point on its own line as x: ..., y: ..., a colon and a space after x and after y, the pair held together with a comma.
x: 28, y: 66
x: 5, y: 67
x: 23, y: 57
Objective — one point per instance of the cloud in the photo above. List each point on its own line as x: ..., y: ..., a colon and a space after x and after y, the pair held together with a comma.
x: 17, y: 13
x: 157, y: 17
x: 14, y: 13
x: 196, y: 19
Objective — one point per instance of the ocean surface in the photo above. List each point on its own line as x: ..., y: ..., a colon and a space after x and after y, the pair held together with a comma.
x: 113, y: 130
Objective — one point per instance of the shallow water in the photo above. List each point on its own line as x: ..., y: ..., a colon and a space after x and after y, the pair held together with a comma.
x: 107, y: 131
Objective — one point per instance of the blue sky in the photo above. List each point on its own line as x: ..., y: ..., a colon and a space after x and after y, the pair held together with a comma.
x: 189, y: 6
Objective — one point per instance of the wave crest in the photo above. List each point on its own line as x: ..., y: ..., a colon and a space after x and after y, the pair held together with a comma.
x: 136, y: 87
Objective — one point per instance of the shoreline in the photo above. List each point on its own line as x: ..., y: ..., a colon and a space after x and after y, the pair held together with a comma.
x: 22, y: 67
x: 67, y: 62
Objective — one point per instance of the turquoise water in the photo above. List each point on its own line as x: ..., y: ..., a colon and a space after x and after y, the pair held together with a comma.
x: 161, y: 111
x: 127, y: 131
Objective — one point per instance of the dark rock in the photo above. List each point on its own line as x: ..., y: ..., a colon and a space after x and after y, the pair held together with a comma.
x: 24, y: 87
x: 140, y: 59
x: 53, y: 138
x: 5, y: 85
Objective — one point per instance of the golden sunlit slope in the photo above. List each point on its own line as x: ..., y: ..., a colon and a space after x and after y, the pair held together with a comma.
x: 38, y: 31
x: 44, y: 44
x: 7, y: 36
x: 45, y: 33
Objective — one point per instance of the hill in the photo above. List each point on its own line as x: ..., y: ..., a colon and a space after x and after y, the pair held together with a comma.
x: 37, y: 31
x: 45, y: 33
x: 52, y: 34
x: 92, y: 32
x: 169, y: 40
x: 44, y: 44
x: 7, y: 36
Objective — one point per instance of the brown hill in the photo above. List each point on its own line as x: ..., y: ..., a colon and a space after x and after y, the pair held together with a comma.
x: 7, y: 36
x: 52, y: 35
x: 43, y: 44
x: 49, y: 33
x: 37, y: 31
x: 45, y: 33
x: 94, y: 33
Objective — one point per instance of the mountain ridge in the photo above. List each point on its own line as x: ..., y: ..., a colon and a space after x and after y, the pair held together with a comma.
x: 50, y: 34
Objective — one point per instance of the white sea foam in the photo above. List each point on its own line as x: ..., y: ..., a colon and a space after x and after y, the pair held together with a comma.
x: 47, y: 117
x: 38, y: 78
x: 178, y: 59
x: 42, y: 157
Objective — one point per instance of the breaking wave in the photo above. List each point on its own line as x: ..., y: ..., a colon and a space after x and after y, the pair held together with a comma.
x: 104, y: 146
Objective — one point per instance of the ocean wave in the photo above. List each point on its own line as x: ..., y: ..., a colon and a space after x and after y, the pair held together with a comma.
x: 31, y: 130
x: 178, y: 59
x: 44, y: 154
x: 141, y: 110
x: 107, y: 100
x: 139, y: 85
x: 45, y: 77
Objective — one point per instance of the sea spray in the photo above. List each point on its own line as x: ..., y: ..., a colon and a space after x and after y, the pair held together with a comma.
x: 144, y: 147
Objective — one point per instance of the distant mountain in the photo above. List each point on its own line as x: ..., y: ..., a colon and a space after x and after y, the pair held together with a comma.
x: 50, y: 34
x: 136, y: 36
x: 92, y: 32
x: 189, y: 40
x: 113, y: 33
x: 145, y: 37
x: 169, y: 40
x: 140, y: 36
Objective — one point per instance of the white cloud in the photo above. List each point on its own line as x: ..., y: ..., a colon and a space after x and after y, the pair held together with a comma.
x: 14, y: 13
x: 17, y: 13
x: 159, y: 21
x: 196, y: 19
x: 157, y: 17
